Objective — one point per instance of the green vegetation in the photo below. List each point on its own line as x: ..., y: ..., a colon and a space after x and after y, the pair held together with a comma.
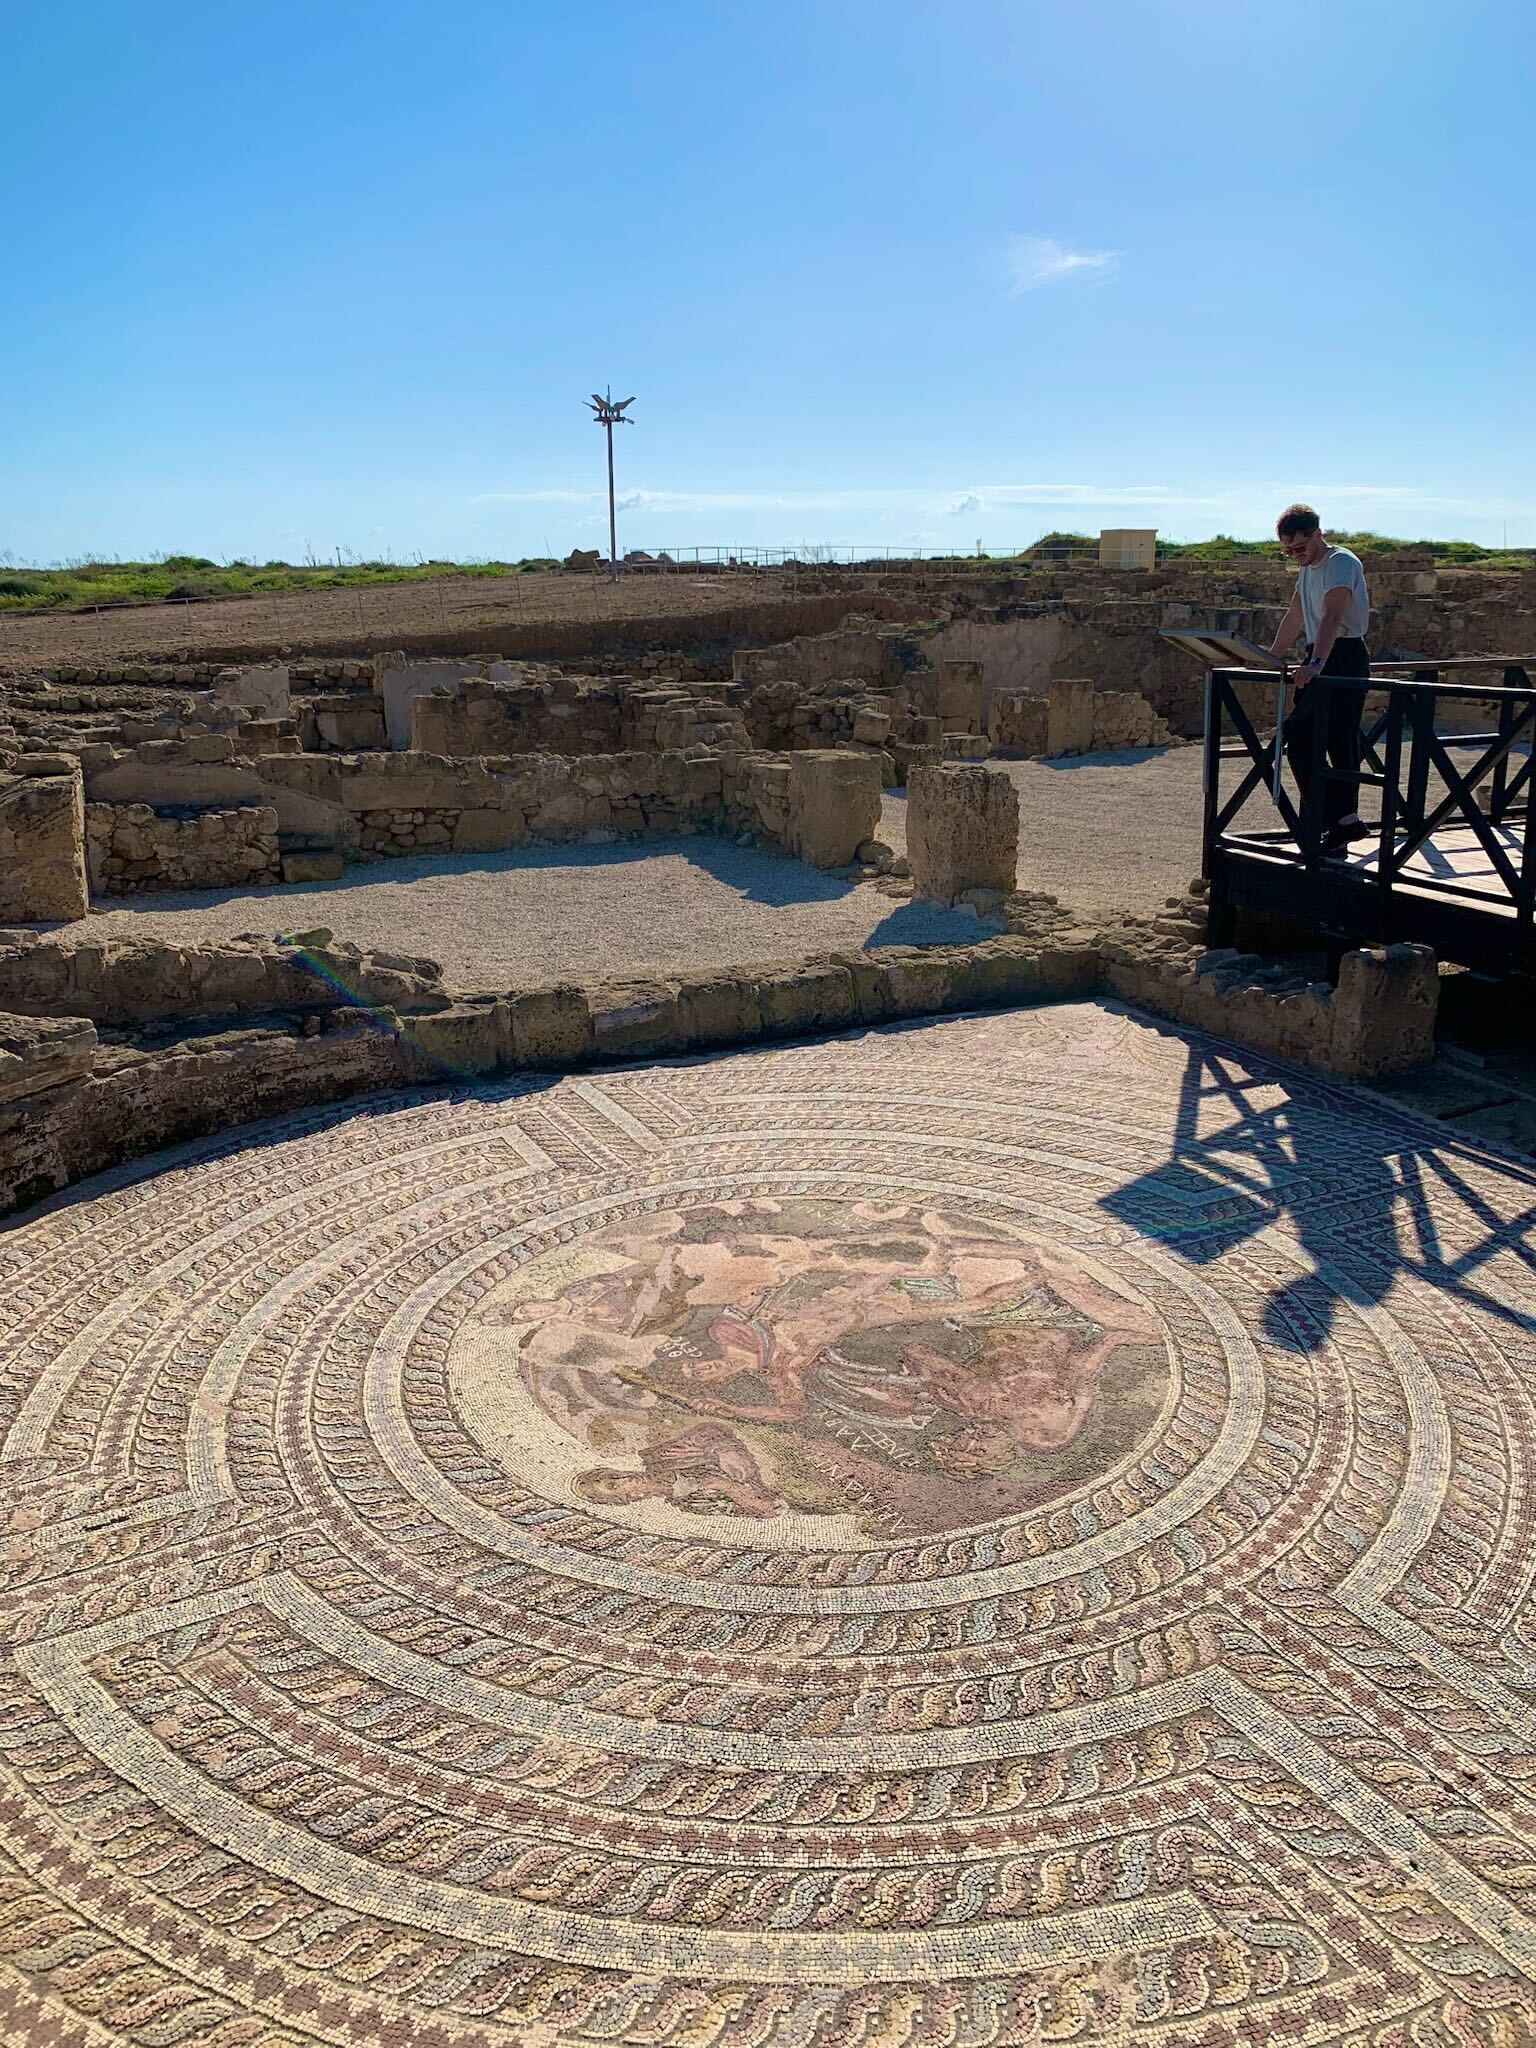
x: 175, y: 578
x: 1447, y: 554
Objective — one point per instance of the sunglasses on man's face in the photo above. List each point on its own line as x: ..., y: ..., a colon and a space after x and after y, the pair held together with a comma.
x: 1295, y: 543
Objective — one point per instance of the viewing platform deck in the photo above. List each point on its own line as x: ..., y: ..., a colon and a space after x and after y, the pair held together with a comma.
x: 1451, y: 860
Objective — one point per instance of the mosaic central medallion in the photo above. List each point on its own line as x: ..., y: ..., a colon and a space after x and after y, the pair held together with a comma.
x: 817, y: 1372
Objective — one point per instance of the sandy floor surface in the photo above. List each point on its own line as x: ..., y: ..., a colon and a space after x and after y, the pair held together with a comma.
x: 1104, y: 832
x: 548, y: 913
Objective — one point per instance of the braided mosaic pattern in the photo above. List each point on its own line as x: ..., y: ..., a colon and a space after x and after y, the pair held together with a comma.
x: 1015, y: 1530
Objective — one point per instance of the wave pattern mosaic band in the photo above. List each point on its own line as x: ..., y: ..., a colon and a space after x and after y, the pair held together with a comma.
x: 1018, y: 1529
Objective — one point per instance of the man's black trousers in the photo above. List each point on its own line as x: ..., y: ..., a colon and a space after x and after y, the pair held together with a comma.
x: 1337, y: 696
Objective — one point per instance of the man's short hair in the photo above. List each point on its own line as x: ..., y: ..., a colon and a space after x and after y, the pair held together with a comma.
x: 1297, y: 519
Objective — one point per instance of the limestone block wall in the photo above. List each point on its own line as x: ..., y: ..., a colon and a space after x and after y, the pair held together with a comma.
x: 131, y: 848
x: 376, y: 805
x: 485, y: 716
x: 1115, y: 641
x: 783, y: 716
x: 342, y: 724
x: 960, y: 695
x: 42, y: 841
x: 118, y: 983
x: 398, y: 681
x: 1124, y: 718
x: 855, y: 653
x: 1069, y: 715
x: 403, y: 803
x: 70, y: 1105
x: 1016, y: 722
x: 656, y: 719
x: 1378, y: 1021
x: 262, y: 689
x: 1088, y: 720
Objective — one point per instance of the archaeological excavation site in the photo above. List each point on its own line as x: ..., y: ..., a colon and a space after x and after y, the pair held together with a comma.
x: 759, y: 1313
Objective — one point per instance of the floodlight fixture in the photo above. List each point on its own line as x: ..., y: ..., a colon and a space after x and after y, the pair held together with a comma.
x: 609, y: 413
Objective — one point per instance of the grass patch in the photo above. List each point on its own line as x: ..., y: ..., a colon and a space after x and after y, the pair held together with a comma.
x: 1222, y: 547
x: 174, y: 579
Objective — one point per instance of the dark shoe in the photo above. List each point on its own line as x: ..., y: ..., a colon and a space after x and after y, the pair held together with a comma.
x: 1338, y: 838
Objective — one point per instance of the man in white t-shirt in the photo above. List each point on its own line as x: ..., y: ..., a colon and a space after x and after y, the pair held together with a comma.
x: 1332, y: 608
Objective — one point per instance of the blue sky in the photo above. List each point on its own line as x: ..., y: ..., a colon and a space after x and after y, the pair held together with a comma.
x: 341, y: 274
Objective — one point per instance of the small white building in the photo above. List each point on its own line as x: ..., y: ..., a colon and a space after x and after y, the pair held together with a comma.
x: 1128, y: 547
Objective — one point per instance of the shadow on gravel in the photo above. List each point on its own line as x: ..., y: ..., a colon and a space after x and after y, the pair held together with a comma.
x: 762, y: 877
x: 913, y: 925
x: 1112, y: 757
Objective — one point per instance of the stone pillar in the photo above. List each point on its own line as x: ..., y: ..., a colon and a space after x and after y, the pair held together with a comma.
x: 1069, y: 715
x: 1384, y: 1011
x: 834, y: 804
x: 42, y: 841
x: 960, y: 692
x: 962, y: 831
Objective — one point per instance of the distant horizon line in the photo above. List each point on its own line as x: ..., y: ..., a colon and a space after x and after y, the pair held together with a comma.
x: 345, y: 558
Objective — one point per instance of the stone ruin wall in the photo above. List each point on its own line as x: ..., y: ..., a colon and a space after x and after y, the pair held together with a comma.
x: 190, y: 801
x: 1025, y: 626
x: 111, y: 1050
x: 133, y: 848
x: 382, y: 805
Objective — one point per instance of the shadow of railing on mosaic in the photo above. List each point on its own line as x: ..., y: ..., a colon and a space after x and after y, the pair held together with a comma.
x: 1371, y: 1199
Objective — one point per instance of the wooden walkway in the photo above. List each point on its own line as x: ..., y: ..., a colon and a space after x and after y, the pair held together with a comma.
x: 1451, y: 860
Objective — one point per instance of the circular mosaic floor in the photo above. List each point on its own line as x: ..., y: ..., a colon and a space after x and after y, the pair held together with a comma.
x: 1010, y: 1531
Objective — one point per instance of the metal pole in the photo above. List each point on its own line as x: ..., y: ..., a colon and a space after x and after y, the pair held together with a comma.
x: 613, y: 531
x: 609, y: 412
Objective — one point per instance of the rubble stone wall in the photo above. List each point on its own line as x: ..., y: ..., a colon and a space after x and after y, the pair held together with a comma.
x: 1088, y: 720
x: 132, y: 848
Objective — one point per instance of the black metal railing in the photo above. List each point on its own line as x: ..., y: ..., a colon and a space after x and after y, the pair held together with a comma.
x: 1438, y: 790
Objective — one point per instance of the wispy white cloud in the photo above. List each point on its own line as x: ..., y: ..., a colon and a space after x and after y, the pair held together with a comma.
x: 1035, y: 260
x: 986, y: 496
x: 883, y: 497
x: 1003, y: 511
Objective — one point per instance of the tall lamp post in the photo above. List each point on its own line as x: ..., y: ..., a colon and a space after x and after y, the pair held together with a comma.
x: 609, y: 413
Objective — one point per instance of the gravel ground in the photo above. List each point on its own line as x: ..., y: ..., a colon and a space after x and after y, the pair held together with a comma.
x: 1104, y: 832
x: 554, y: 913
